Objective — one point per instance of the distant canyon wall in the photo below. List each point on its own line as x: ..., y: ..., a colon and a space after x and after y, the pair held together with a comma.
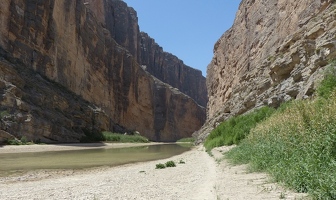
x: 72, y: 67
x: 122, y: 24
x: 274, y: 52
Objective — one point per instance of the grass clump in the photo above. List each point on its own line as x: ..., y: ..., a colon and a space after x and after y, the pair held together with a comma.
x: 190, y: 140
x: 170, y: 164
x: 236, y: 128
x: 297, y: 146
x: 160, y: 166
x: 167, y: 164
x: 116, y: 137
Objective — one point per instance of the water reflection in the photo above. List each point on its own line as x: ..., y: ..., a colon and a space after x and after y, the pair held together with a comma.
x: 79, y: 159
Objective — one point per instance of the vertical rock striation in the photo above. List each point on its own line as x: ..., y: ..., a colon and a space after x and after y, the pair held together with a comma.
x: 274, y: 52
x: 70, y: 68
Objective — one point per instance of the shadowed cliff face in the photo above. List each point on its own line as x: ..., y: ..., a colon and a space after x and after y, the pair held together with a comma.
x: 91, y: 51
x: 275, y: 51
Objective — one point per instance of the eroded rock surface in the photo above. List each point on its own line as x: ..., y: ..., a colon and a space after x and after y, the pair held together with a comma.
x: 71, y: 66
x: 275, y: 51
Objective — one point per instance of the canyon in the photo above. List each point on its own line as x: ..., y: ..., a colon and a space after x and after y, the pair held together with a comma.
x: 71, y: 69
x: 275, y: 51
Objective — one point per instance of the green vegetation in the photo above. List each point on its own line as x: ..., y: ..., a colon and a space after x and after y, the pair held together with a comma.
x: 190, y: 140
x: 167, y: 164
x: 235, y: 129
x: 115, y: 137
x: 170, y: 164
x: 297, y: 144
x: 297, y: 147
x: 22, y: 141
x: 160, y: 166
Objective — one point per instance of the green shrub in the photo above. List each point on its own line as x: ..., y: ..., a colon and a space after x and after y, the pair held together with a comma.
x: 236, y: 128
x: 297, y: 146
x: 170, y: 164
x: 160, y: 166
x: 190, y: 140
x: 115, y: 137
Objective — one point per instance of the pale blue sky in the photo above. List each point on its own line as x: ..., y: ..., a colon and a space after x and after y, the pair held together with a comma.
x: 186, y: 28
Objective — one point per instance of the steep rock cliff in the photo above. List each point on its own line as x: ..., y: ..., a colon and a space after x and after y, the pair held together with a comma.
x: 275, y: 51
x: 81, y: 64
x: 169, y: 69
x: 121, y: 22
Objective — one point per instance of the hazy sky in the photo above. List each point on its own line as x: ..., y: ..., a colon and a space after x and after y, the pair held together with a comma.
x: 186, y: 28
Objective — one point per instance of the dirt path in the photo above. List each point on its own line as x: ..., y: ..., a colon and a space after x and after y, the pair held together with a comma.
x: 201, y: 177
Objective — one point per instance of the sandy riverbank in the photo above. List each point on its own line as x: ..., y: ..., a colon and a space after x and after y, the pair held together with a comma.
x: 67, y: 147
x: 201, y: 177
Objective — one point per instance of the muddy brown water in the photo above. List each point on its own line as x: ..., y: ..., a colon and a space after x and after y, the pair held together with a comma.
x: 80, y: 159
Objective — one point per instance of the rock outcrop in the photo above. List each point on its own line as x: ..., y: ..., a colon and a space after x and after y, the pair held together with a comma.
x: 71, y: 68
x: 274, y: 52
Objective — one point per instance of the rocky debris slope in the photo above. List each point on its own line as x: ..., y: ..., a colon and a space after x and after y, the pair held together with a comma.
x: 274, y: 52
x: 75, y: 69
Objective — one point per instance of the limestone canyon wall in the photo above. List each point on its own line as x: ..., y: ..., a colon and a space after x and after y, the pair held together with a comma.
x: 275, y: 51
x: 70, y: 68
x: 121, y: 22
x: 170, y: 69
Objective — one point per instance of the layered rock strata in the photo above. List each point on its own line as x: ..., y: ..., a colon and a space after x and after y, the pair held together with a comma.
x: 70, y: 67
x: 274, y: 52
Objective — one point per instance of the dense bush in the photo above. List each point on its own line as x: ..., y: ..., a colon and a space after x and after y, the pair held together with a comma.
x: 235, y: 129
